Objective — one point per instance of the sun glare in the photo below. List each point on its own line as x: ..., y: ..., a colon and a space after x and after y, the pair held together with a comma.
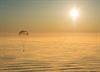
x: 74, y: 13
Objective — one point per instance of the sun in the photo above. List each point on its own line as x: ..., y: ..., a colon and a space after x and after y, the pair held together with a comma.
x: 74, y: 13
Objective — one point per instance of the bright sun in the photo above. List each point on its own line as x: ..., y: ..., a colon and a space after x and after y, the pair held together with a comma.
x: 74, y: 13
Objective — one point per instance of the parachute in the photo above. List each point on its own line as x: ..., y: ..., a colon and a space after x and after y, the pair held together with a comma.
x: 23, y: 38
x: 23, y: 33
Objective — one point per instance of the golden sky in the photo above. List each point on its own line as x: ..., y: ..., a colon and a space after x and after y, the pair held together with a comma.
x: 49, y: 16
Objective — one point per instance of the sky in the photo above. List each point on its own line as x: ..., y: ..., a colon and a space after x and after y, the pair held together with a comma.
x: 49, y: 16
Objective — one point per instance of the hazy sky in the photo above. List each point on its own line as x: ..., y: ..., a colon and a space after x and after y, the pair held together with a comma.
x: 49, y: 16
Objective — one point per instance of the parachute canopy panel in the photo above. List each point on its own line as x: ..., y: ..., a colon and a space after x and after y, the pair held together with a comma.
x: 23, y: 33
